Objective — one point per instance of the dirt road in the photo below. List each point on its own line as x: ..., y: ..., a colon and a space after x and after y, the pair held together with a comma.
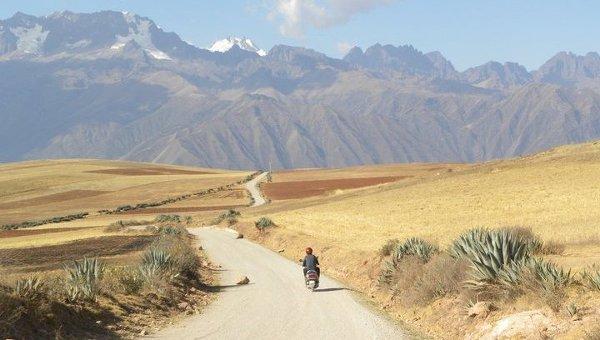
x: 254, y: 190
x: 275, y: 305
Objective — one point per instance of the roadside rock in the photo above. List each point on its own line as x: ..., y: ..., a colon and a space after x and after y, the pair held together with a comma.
x: 281, y: 250
x: 244, y: 281
x: 240, y: 235
x: 183, y: 305
x: 480, y: 309
x: 524, y: 325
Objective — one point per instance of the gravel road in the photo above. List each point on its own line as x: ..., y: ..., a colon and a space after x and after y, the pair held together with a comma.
x: 252, y: 187
x: 276, y: 304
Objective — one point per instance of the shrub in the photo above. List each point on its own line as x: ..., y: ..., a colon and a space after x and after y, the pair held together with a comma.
x: 388, y: 247
x: 83, y: 279
x: 591, y: 278
x: 441, y: 276
x: 11, y: 310
x: 31, y: 288
x: 183, y: 255
x: 122, y: 279
x: 264, y: 223
x: 157, y: 258
x: 414, y: 247
x: 168, y: 218
x: 169, y: 230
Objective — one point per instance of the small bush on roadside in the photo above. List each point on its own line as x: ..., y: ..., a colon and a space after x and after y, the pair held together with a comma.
x: 167, y: 219
x: 30, y: 289
x: 264, y: 223
x: 591, y: 278
x: 122, y: 279
x: 83, y: 280
x: 11, y: 310
x: 441, y: 276
x: 415, y: 247
x: 170, y: 230
x: 388, y: 247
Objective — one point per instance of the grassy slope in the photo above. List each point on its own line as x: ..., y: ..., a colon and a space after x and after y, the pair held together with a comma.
x: 28, y: 191
x: 555, y: 193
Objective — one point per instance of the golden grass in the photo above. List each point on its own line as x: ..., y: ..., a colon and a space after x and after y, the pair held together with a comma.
x: 52, y: 238
x: 26, y: 188
x: 556, y: 193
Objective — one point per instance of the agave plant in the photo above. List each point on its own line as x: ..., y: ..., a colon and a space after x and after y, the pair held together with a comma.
x: 414, y: 247
x: 30, y: 288
x: 591, y: 278
x: 489, y: 251
x: 83, y: 279
x: 548, y: 274
x: 156, y: 263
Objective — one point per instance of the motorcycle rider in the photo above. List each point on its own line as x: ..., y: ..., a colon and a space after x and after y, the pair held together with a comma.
x: 310, y: 262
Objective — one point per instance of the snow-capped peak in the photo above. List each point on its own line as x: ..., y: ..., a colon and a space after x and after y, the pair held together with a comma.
x: 243, y: 43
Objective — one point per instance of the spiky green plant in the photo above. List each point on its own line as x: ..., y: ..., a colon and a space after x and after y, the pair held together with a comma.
x: 414, y: 247
x: 548, y: 274
x: 263, y: 223
x: 30, y: 288
x: 156, y: 263
x: 158, y: 258
x: 591, y: 277
x: 83, y: 279
x: 489, y: 252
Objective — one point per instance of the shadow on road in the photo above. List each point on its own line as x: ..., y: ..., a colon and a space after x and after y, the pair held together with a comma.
x: 216, y: 289
x: 325, y: 290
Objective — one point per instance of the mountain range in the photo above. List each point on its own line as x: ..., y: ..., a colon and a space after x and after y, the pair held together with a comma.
x: 115, y: 85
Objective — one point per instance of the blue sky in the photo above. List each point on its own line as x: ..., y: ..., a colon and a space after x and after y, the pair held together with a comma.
x: 467, y: 32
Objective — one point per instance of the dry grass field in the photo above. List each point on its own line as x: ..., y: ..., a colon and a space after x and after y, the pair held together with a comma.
x: 556, y: 193
x: 42, y: 189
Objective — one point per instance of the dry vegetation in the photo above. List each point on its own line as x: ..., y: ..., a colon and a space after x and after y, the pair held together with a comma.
x: 116, y: 275
x: 114, y: 286
x: 554, y: 195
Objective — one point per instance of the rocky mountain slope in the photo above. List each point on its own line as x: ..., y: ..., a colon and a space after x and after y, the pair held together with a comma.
x: 115, y: 85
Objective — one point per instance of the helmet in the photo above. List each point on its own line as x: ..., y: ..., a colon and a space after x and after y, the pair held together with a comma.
x: 309, y: 250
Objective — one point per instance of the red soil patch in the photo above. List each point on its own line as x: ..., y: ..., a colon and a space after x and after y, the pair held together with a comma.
x: 59, y: 197
x: 28, y: 232
x: 53, y: 256
x: 171, y: 210
x: 302, y: 189
x: 147, y: 172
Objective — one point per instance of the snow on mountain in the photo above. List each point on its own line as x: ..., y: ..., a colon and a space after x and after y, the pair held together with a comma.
x: 139, y: 31
x: 243, y: 43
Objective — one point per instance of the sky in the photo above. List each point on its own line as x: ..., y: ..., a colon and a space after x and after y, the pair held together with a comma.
x: 467, y: 32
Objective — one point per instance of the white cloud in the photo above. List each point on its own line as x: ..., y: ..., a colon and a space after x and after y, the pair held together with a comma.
x: 297, y: 15
x: 344, y: 47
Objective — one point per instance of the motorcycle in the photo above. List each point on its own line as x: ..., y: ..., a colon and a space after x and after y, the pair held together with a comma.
x: 312, y: 280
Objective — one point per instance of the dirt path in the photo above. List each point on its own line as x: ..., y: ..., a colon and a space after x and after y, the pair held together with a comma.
x: 275, y: 305
x: 254, y: 190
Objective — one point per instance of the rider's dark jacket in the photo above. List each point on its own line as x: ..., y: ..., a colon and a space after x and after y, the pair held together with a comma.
x: 310, y: 262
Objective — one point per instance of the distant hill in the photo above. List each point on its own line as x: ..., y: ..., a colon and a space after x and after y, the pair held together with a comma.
x: 115, y: 85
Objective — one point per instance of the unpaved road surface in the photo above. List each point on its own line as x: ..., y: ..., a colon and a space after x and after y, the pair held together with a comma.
x: 254, y: 190
x: 276, y: 304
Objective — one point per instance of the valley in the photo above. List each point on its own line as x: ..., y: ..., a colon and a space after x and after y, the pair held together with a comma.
x: 347, y: 215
